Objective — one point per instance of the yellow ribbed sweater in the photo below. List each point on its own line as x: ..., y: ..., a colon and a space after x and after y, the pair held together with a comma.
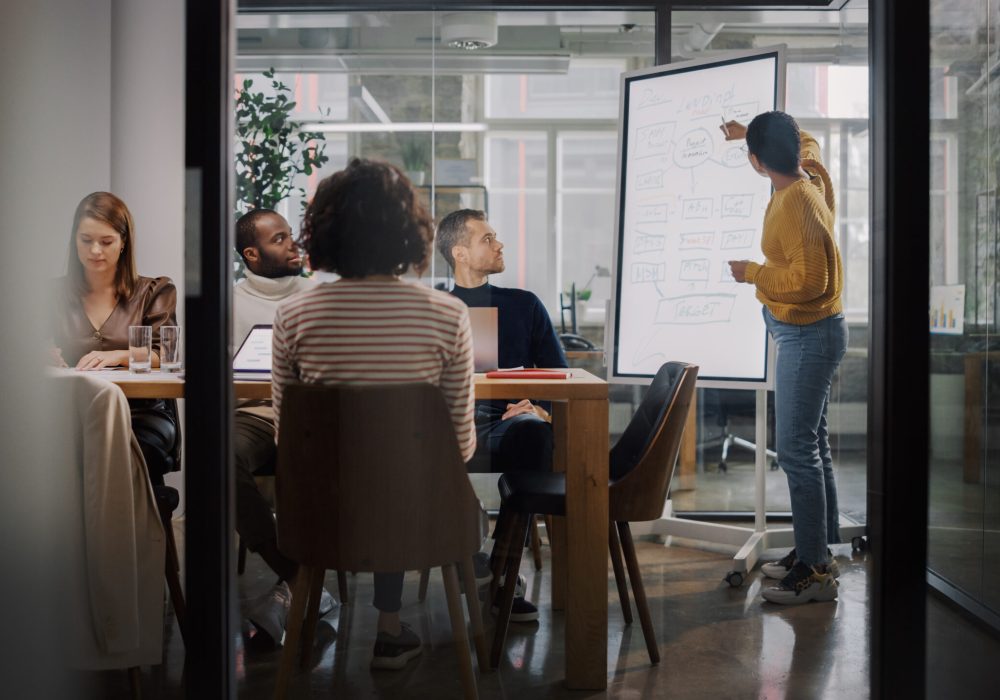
x: 802, y: 279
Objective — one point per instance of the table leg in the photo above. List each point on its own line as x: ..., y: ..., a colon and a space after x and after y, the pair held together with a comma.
x: 587, y: 544
x: 557, y: 535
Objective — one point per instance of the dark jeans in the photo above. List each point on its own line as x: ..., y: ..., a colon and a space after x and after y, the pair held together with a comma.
x: 256, y: 455
x: 521, y: 442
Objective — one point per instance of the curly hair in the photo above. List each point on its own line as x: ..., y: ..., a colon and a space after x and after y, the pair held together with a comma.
x: 367, y: 220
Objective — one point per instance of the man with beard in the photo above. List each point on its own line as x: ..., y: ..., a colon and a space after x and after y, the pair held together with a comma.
x: 510, y: 436
x: 273, y: 273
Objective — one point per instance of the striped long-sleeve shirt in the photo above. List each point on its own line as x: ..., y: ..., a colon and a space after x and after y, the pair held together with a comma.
x: 377, y: 332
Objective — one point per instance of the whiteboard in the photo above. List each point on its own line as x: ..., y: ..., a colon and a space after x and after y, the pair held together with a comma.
x: 688, y: 201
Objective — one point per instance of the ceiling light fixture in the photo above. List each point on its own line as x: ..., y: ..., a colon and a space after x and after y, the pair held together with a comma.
x: 469, y: 30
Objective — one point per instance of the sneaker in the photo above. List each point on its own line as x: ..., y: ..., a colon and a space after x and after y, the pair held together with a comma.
x: 779, y: 569
x: 481, y: 565
x: 268, y: 614
x: 520, y: 610
x: 519, y: 585
x: 326, y: 602
x: 393, y: 652
x: 803, y: 584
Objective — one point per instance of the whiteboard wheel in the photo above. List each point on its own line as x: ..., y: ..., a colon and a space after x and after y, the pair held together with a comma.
x: 734, y: 579
x: 859, y: 544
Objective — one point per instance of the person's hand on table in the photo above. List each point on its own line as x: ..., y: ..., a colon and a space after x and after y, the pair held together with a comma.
x: 739, y: 269
x: 525, y: 406
x: 99, y: 359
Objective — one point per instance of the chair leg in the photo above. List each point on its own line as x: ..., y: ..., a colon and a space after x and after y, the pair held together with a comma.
x: 536, y: 544
x: 475, y: 614
x: 502, y: 547
x: 173, y: 569
x: 632, y: 563
x: 519, y: 531
x: 425, y: 577
x: 616, y: 563
x: 342, y: 587
x: 458, y: 629
x: 312, y: 614
x: 293, y: 631
x: 135, y: 682
x: 241, y: 558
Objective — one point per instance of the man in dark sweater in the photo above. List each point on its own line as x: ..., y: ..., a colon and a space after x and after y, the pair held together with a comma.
x: 510, y: 436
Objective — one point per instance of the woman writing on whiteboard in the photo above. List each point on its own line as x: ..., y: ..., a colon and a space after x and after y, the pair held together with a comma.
x: 800, y: 285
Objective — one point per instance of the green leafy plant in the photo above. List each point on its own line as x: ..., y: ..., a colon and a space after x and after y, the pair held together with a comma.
x: 415, y: 150
x: 271, y: 149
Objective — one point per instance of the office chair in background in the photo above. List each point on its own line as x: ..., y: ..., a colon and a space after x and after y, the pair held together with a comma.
x: 724, y: 403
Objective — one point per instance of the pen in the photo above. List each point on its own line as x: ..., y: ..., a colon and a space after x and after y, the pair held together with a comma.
x: 725, y: 129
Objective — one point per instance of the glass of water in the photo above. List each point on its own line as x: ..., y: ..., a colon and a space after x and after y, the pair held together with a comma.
x: 140, y: 348
x: 170, y: 348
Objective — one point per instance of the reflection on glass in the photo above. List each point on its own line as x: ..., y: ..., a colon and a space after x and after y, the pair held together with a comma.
x: 964, y: 511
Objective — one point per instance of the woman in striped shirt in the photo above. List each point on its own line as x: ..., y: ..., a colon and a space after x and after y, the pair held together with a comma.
x: 367, y: 225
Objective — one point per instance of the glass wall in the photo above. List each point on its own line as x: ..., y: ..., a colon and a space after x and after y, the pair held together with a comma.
x: 527, y: 130
x: 964, y: 511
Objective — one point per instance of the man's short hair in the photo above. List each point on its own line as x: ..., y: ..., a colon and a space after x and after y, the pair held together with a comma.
x: 452, y: 232
x: 246, y: 229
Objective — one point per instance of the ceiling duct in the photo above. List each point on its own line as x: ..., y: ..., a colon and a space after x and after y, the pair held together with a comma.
x: 469, y: 30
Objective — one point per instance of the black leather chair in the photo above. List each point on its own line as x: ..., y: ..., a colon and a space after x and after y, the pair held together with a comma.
x: 156, y: 425
x: 640, y: 467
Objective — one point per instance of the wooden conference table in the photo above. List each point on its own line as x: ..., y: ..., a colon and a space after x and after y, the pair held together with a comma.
x: 580, y: 551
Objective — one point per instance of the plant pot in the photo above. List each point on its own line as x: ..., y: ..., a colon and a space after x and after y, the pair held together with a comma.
x: 416, y: 177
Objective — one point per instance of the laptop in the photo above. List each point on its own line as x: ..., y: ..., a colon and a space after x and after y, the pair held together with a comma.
x: 253, y: 360
x: 485, y: 342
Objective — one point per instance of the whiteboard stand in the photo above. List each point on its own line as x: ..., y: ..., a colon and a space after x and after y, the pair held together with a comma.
x: 751, y: 543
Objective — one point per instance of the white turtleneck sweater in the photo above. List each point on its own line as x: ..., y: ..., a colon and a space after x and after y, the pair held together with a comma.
x: 256, y: 298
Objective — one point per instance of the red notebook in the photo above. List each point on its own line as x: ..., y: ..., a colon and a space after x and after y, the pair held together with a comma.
x: 527, y: 374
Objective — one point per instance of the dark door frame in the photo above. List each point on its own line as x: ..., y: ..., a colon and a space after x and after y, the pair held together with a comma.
x: 898, y: 392
x: 210, y: 670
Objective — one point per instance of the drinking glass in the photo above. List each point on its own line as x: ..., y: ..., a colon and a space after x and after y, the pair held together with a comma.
x: 140, y: 348
x: 170, y: 348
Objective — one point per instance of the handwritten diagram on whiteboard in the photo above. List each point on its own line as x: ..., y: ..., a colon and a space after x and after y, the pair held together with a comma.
x: 689, y: 202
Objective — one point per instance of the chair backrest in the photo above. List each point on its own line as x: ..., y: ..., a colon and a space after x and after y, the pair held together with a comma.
x: 370, y: 478
x: 642, y: 461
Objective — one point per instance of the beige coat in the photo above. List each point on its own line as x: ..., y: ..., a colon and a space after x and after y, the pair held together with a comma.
x: 118, y: 572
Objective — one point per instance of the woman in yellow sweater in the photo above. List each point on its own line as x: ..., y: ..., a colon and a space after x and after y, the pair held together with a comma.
x: 800, y: 285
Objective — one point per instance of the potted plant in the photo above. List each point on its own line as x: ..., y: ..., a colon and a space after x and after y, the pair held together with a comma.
x: 414, y: 149
x: 271, y: 150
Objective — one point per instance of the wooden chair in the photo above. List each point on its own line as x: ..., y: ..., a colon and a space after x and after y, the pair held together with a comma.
x: 370, y: 479
x: 640, y: 467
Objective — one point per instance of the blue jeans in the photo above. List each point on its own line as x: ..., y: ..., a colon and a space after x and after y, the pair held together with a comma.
x: 807, y: 358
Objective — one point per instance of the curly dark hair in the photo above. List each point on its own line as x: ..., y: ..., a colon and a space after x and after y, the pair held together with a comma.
x: 367, y: 220
x: 774, y: 138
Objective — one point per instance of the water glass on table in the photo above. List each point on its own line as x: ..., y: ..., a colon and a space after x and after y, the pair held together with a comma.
x: 140, y: 348
x: 170, y: 348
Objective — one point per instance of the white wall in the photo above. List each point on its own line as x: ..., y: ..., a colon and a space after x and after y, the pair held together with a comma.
x: 147, y: 138
x: 147, y: 130
x: 55, y: 148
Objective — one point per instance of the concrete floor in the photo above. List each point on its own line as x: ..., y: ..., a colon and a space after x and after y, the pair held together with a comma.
x: 715, y: 642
